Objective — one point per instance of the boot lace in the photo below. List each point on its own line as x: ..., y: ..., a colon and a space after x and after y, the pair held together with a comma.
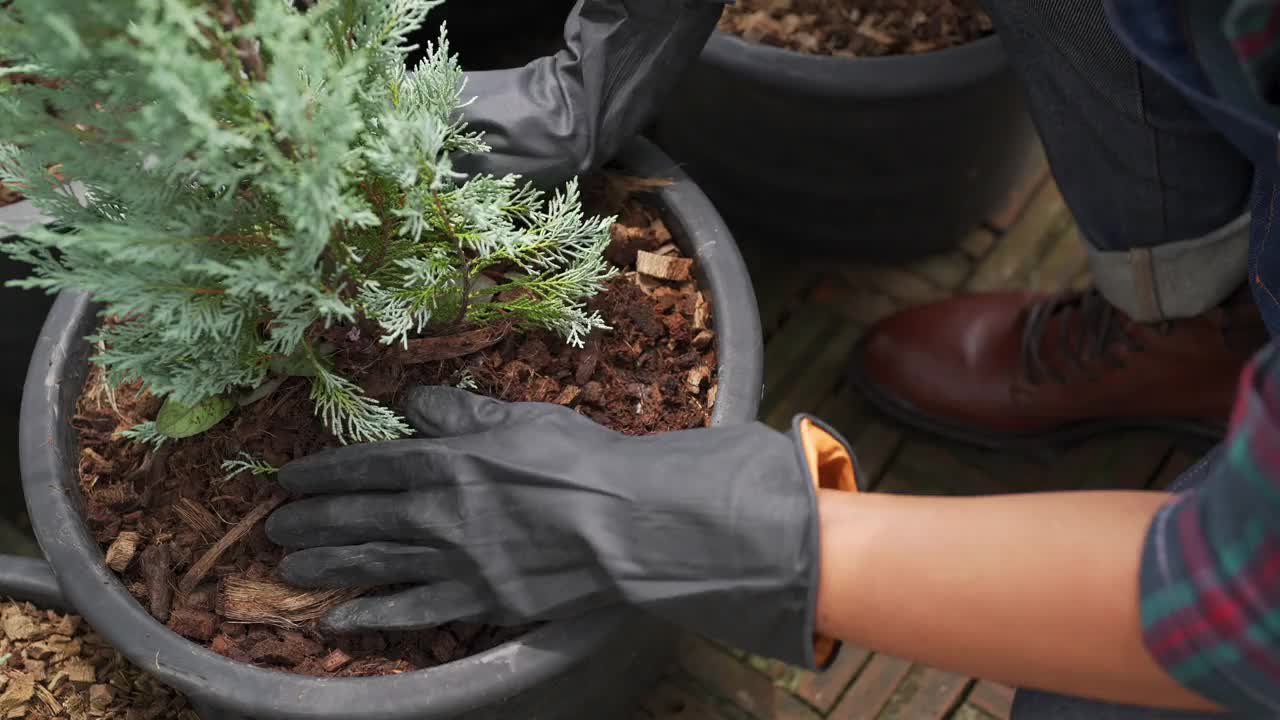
x: 1089, y: 330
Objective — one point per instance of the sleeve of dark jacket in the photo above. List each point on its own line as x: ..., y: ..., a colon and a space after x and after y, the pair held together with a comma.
x: 565, y: 115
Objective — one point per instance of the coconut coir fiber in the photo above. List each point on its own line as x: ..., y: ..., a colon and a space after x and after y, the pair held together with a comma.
x: 158, y: 513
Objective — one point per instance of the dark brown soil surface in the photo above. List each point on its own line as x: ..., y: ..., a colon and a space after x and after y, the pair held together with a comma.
x: 858, y: 28
x: 54, y: 667
x: 158, y: 513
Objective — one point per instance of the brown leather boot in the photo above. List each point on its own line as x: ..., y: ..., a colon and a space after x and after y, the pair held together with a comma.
x: 1012, y: 369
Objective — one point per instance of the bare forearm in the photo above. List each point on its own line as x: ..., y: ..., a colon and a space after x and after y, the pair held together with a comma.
x: 1033, y: 590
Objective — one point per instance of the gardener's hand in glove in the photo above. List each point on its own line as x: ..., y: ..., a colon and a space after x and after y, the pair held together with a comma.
x: 510, y: 513
x: 565, y: 115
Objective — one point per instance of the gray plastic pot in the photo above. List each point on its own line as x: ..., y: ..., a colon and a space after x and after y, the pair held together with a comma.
x: 877, y: 158
x: 30, y: 581
x: 590, y: 668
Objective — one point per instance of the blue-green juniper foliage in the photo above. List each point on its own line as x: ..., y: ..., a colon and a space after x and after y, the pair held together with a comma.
x: 253, y: 174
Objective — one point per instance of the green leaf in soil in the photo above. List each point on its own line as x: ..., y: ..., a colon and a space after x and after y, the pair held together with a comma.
x: 177, y: 420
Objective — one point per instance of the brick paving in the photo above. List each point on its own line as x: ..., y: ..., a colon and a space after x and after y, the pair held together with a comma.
x: 813, y: 315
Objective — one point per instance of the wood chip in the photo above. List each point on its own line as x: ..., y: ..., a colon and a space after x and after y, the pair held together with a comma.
x: 588, y: 359
x: 703, y: 339
x: 67, y: 625
x: 48, y: 700
x: 40, y: 651
x: 157, y: 573
x: 660, y: 231
x: 701, y: 312
x: 193, y: 624
x: 569, y: 395
x: 664, y: 267
x: 648, y: 284
x: 38, y: 669
x: 80, y: 672
x: 697, y: 377
x: 100, y: 696
x: 20, y: 689
x: 711, y: 396
x: 122, y: 550
x: 18, y: 627
x: 335, y: 661
x: 668, y: 250
x: 871, y: 33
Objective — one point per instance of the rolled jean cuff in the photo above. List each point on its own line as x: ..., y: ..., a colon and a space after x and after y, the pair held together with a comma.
x: 1175, y: 280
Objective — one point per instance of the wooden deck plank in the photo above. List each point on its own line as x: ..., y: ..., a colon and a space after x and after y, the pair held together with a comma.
x: 814, y: 379
x: 739, y: 683
x: 926, y: 464
x: 1122, y: 460
x: 872, y: 690
x: 947, y: 270
x: 673, y: 700
x: 862, y: 306
x: 926, y: 694
x: 1064, y: 260
x: 789, y: 352
x: 905, y: 287
x: 1022, y: 247
x: 992, y: 698
x: 823, y: 689
x: 969, y: 711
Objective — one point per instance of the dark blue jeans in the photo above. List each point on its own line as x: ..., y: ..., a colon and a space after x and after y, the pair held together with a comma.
x: 1159, y: 194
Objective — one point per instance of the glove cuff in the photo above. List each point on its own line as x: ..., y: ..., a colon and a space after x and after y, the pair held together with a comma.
x: 832, y: 466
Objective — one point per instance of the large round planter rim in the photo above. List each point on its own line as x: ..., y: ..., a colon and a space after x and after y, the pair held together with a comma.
x: 890, y: 76
x: 439, y: 692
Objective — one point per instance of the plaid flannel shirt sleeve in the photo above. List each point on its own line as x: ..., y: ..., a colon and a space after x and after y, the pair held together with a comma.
x: 1210, y: 585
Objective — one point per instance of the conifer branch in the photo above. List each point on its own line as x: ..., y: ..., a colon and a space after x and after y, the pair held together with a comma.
x: 249, y: 52
x: 271, y: 174
x: 463, y: 260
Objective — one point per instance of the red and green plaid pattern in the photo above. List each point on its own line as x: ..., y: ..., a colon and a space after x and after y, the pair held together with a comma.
x: 1253, y: 28
x: 1211, y: 567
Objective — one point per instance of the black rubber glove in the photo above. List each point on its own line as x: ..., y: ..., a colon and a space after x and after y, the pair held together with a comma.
x: 563, y: 116
x: 512, y: 513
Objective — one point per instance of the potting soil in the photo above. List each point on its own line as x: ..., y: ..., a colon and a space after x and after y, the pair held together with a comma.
x: 54, y: 667
x: 858, y: 28
x: 189, y: 543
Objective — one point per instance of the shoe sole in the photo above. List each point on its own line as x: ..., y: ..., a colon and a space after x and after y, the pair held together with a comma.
x: 1049, y: 442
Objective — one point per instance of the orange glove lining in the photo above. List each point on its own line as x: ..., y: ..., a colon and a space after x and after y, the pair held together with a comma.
x: 832, y: 468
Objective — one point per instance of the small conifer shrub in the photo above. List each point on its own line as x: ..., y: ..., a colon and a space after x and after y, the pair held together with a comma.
x: 252, y: 174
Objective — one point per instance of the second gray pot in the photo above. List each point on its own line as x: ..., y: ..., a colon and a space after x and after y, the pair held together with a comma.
x: 877, y: 158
